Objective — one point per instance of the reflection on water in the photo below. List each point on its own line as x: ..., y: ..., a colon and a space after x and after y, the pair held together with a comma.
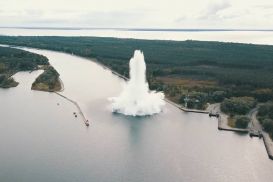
x: 41, y: 141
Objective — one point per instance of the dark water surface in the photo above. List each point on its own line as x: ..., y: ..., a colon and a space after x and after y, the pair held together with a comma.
x: 41, y: 141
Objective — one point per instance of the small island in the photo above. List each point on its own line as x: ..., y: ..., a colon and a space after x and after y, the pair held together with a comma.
x: 48, y: 81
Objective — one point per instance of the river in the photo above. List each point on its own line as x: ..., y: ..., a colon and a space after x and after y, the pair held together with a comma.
x: 42, y: 141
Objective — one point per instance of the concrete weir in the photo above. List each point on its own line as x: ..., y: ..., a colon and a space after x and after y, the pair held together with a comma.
x: 78, y: 107
x: 185, y: 109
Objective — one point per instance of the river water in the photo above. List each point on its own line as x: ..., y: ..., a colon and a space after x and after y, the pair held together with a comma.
x: 42, y: 141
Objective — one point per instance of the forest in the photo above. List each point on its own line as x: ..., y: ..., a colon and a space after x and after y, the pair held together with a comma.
x: 14, y: 60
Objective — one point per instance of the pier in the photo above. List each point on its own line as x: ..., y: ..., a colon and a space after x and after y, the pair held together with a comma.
x: 86, y: 122
x: 194, y: 110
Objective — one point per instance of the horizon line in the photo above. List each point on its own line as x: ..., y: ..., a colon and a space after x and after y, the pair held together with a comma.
x: 133, y: 29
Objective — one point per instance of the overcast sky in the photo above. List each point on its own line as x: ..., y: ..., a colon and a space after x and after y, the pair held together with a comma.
x: 236, y: 14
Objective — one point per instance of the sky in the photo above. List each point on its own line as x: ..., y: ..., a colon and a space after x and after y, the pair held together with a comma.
x: 202, y: 14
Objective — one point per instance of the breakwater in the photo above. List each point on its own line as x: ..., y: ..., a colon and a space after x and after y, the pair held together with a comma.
x: 268, y: 144
x: 86, y: 121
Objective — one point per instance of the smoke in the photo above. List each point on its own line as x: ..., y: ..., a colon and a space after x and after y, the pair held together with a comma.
x: 136, y: 99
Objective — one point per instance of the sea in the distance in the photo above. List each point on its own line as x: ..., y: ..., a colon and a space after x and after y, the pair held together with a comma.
x: 223, y: 35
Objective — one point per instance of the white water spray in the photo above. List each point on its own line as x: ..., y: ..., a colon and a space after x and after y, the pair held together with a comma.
x: 136, y: 99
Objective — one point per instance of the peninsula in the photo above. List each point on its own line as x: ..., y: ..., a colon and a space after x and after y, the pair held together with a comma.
x: 13, y: 60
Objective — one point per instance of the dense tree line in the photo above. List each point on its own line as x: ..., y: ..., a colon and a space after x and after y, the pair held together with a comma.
x: 229, y: 63
x: 238, y: 105
x: 13, y: 60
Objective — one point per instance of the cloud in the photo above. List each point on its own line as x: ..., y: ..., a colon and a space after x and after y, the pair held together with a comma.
x: 73, y: 18
x: 141, y: 14
x: 265, y: 6
x: 113, y: 18
x: 214, y: 9
x: 181, y: 19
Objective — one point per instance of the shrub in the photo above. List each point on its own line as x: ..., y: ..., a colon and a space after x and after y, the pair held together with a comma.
x: 241, y: 121
x: 218, y: 96
x: 263, y: 95
x: 268, y: 125
x: 238, y: 105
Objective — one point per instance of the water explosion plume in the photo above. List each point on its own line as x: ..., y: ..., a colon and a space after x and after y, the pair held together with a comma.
x: 136, y: 99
